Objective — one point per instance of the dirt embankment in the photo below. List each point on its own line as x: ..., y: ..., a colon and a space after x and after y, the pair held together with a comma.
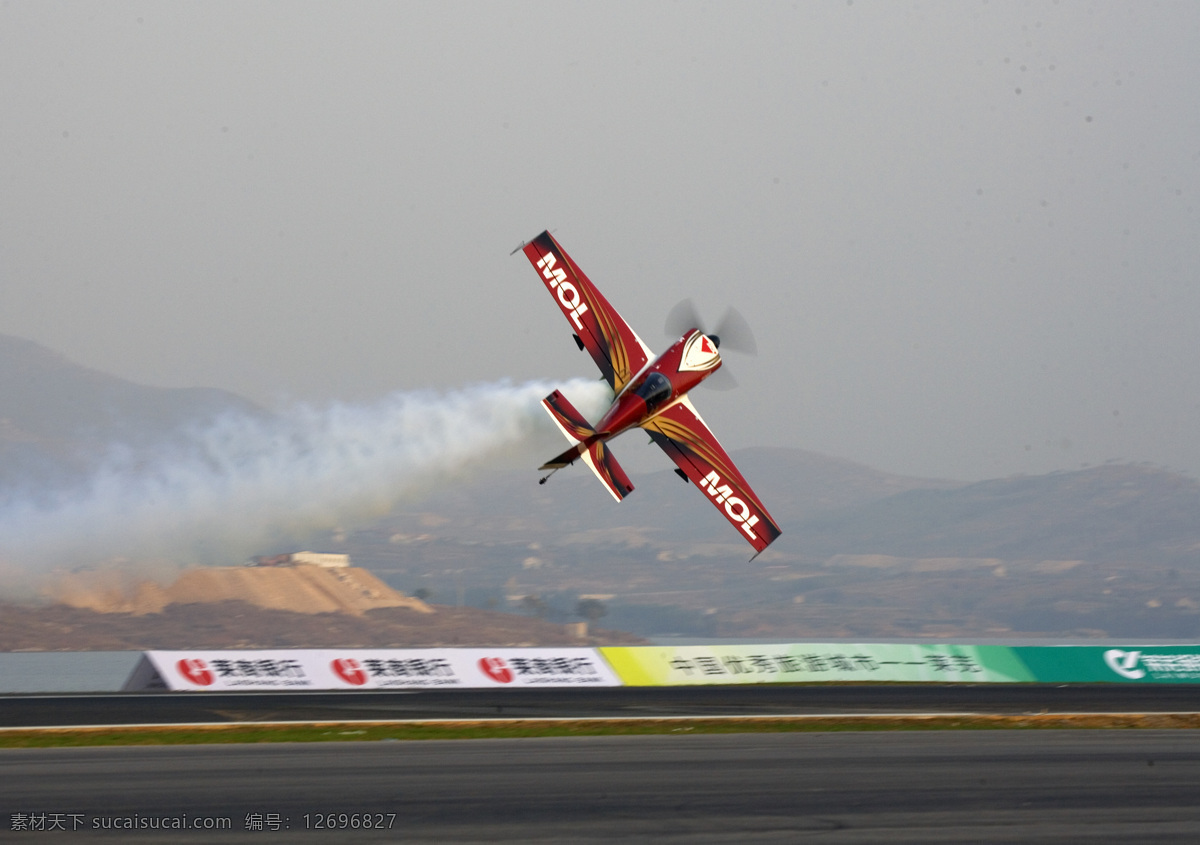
x: 236, y: 624
x: 265, y: 607
x: 299, y: 589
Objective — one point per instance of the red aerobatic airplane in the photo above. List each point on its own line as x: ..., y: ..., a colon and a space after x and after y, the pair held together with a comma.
x: 651, y: 393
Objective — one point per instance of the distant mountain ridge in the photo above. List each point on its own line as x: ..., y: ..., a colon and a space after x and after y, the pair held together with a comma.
x: 56, y: 414
x: 829, y: 506
x: 1111, y: 513
x: 1114, y: 548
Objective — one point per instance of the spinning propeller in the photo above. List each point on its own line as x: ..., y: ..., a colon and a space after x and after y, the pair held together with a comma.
x: 731, y: 332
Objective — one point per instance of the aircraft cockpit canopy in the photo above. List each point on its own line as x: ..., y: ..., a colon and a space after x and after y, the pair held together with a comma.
x: 654, y: 388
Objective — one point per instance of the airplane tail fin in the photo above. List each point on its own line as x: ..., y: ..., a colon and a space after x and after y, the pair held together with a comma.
x: 586, y: 444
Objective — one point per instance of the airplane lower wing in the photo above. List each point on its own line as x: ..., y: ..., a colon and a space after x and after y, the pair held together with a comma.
x: 685, y: 438
x: 613, y: 345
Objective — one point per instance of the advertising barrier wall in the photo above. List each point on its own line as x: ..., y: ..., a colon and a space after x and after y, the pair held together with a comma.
x: 642, y: 666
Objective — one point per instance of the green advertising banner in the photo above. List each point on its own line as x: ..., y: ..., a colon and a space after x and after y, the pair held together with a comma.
x: 1177, y: 664
x: 642, y: 666
x: 813, y: 662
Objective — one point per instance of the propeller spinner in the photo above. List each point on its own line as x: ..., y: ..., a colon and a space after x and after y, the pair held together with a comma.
x: 731, y: 332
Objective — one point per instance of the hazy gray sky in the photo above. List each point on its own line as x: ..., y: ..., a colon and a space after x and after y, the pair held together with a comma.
x: 966, y: 234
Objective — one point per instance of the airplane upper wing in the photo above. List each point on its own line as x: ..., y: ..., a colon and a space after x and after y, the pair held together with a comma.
x: 616, y: 349
x: 689, y: 443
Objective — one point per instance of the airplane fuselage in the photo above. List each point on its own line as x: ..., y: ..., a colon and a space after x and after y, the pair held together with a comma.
x: 662, y: 383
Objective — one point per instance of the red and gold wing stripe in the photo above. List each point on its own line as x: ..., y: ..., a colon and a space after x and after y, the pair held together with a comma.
x: 613, y: 345
x: 686, y: 439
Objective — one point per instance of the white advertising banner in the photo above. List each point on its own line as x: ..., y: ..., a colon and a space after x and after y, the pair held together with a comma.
x: 228, y: 671
x: 469, y: 667
x: 351, y: 669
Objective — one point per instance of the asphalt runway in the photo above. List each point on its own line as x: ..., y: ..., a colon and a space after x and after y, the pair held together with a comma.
x: 166, y: 708
x: 903, y: 787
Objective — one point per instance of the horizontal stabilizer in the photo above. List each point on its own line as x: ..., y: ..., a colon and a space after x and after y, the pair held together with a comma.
x: 586, y: 444
x: 569, y: 421
x: 602, y: 462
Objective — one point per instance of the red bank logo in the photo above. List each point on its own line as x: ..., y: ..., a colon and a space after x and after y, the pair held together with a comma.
x: 350, y: 671
x: 496, y: 669
x: 195, y: 671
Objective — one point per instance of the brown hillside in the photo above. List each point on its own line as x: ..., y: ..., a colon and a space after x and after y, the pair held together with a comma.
x: 236, y: 624
x: 299, y: 589
x: 265, y: 607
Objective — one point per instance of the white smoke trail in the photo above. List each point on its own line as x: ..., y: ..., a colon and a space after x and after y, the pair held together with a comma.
x: 243, y: 483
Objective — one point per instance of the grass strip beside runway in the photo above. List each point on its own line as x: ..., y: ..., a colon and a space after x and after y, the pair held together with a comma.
x: 515, y: 728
